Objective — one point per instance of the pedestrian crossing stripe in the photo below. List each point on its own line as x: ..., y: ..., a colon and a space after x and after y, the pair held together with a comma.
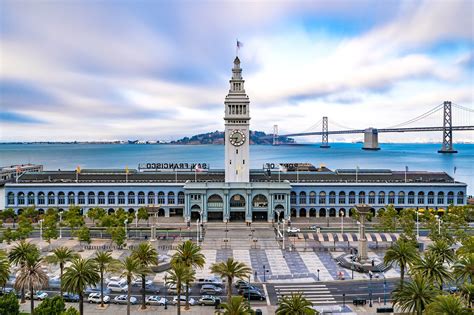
x: 315, y: 293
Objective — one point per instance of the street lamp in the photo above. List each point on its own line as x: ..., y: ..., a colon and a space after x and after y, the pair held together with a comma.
x: 384, y: 289
x: 417, y: 224
x: 126, y: 233
x: 342, y: 221
x: 197, y: 231
x: 60, y: 224
x: 41, y: 229
x: 136, y: 218
x: 166, y: 291
x: 370, y: 289
x: 318, y: 274
x: 439, y: 223
x: 343, y: 301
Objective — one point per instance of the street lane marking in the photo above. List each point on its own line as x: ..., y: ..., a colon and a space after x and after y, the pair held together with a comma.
x: 266, y: 294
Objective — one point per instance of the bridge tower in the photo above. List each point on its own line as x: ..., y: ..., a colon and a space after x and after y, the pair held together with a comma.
x: 325, y: 134
x: 275, y: 135
x: 447, y: 146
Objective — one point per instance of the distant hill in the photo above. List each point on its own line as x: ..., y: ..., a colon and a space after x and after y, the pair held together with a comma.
x: 217, y: 137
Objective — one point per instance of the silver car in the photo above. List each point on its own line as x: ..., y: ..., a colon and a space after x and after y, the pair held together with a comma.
x: 209, y: 300
x: 122, y: 299
x: 156, y: 300
x: 210, y: 289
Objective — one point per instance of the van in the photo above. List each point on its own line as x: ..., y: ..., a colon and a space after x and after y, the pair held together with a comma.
x: 210, y: 280
x: 117, y: 287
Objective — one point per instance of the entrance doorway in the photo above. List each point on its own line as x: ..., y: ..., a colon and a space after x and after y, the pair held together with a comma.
x: 260, y: 216
x: 237, y: 216
x: 215, y: 216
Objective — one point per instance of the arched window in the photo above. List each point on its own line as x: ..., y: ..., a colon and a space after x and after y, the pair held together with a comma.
x: 352, y: 197
x: 121, y: 198
x: 51, y: 198
x: 362, y: 197
x: 293, y: 197
x: 171, y: 198
x: 41, y: 198
x: 237, y: 201
x: 101, y: 198
x: 215, y: 201
x: 322, y: 197
x: 181, y: 198
x: 11, y: 198
x: 302, y: 198
x: 431, y: 196
x: 151, y: 198
x: 71, y: 198
x: 401, y: 197
x: 381, y: 198
x: 61, y: 198
x: 332, y: 197
x: 441, y: 198
x: 260, y: 201
x: 421, y: 198
x: 450, y: 198
x: 81, y: 198
x: 31, y: 198
x: 91, y: 198
x: 460, y: 198
x: 131, y: 198
x: 372, y: 197
x: 411, y: 198
x: 312, y: 197
x: 141, y: 198
x: 342, y: 198
x: 111, y: 198
x: 161, y: 198
x: 391, y: 198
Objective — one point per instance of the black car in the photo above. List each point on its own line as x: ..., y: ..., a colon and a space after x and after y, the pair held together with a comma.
x: 240, y: 283
x: 246, y: 287
x: 70, y: 297
x: 253, y: 295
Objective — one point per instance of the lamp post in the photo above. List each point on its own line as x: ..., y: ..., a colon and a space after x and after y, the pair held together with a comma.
x: 166, y: 291
x: 60, y: 224
x: 249, y: 290
x: 370, y: 289
x: 197, y: 231
x: 283, y: 234
x: 384, y: 289
x: 318, y: 274
x: 417, y: 224
x: 439, y: 223
x: 136, y: 219
x: 343, y: 301
x: 126, y: 231
x: 41, y: 229
x: 342, y: 221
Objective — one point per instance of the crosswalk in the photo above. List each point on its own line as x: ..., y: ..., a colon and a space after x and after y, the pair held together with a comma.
x: 315, y: 293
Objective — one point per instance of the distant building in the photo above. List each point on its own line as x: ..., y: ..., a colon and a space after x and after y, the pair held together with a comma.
x: 10, y: 172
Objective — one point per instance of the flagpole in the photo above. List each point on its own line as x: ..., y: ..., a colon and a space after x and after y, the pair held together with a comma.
x: 357, y: 173
x: 176, y: 175
x: 406, y: 168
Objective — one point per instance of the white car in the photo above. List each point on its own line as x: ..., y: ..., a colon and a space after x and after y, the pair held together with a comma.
x: 95, y: 298
x: 116, y: 279
x: 182, y: 298
x: 293, y: 230
x: 172, y: 289
x: 117, y: 287
x: 122, y: 299
x: 38, y: 295
x: 155, y: 300
x: 137, y: 282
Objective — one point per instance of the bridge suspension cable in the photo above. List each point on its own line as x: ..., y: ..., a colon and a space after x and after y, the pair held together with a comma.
x: 463, y: 108
x: 313, y: 127
x: 333, y: 123
x: 420, y: 117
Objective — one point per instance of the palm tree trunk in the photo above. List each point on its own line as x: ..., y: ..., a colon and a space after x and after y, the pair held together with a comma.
x: 61, y: 267
x: 402, y: 275
x: 143, y: 292
x: 187, y: 296
x: 102, y: 287
x: 23, y: 296
x: 229, y: 289
x: 178, y: 286
x: 32, y: 300
x: 81, y: 303
x: 129, y: 282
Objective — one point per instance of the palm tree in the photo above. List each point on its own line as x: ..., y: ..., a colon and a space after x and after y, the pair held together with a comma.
x: 237, y: 306
x: 231, y: 269
x: 80, y: 274
x: 415, y: 295
x: 31, y: 276
x: 61, y: 256
x: 18, y: 255
x: 295, y: 304
x: 442, y: 249
x: 467, y: 246
x: 131, y: 268
x: 189, y: 254
x: 431, y: 266
x: 464, y: 267
x: 4, y: 268
x: 103, y: 261
x: 401, y: 253
x: 447, y: 305
x: 147, y: 256
x: 179, y: 274
x: 467, y: 291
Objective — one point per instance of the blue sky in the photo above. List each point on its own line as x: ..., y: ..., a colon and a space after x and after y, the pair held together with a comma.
x: 106, y: 70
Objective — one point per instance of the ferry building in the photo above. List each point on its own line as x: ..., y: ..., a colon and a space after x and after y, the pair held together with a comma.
x: 235, y: 193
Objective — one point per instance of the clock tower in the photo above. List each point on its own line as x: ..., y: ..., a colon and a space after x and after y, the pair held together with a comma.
x: 236, y: 135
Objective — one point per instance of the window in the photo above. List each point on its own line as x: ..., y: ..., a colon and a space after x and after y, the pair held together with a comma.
x: 41, y: 200
x: 411, y: 198
x: 141, y: 198
x: 450, y: 198
x: 151, y: 198
x: 61, y: 198
x: 431, y: 198
x: 51, y: 198
x: 342, y: 197
x: 101, y: 198
x: 312, y: 198
x: 352, y: 197
x: 31, y: 198
x: 441, y: 198
x: 131, y: 198
x: 421, y: 198
x: 361, y: 197
x: 332, y: 197
x: 322, y: 197
x: 401, y: 198
x: 460, y: 198
x: 171, y: 199
x: 181, y: 198
x: 91, y: 198
x: 11, y: 198
x: 391, y: 198
x: 161, y: 197
x: 81, y: 198
x: 302, y: 198
x: 21, y: 198
x: 293, y: 197
x: 371, y: 197
x: 381, y: 198
x: 71, y: 198
x: 121, y: 198
x: 111, y: 198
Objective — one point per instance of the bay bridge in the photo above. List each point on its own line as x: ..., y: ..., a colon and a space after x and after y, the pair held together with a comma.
x: 371, y: 140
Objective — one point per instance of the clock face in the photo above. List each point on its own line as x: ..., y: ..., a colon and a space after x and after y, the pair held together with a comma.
x: 237, y: 138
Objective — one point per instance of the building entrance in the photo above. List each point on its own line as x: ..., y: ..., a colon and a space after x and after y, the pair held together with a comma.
x: 215, y: 216
x: 260, y: 216
x: 237, y: 216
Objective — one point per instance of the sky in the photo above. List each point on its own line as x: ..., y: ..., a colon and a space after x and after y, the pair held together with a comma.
x: 159, y: 70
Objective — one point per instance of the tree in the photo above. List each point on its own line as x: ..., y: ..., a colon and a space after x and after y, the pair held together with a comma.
x: 179, y: 274
x: 130, y: 268
x: 447, y: 305
x: 25, y: 226
x: 61, y: 256
x: 441, y: 249
x: 467, y: 246
x: 407, y: 222
x: 387, y: 219
x: 231, y: 269
x: 4, y: 268
x: 432, y: 268
x: 464, y: 267
x: 401, y: 253
x: 9, y: 304
x: 31, y: 276
x: 73, y: 218
x: 96, y: 214
x: 104, y: 261
x: 50, y: 228
x: 8, y: 214
x: 80, y: 274
x: 189, y: 254
x: 51, y: 306
x: 84, y: 234
x: 118, y: 235
x: 18, y: 256
x: 415, y: 295
x: 147, y: 256
x: 142, y: 214
x: 9, y: 235
x: 237, y: 306
x: 70, y: 311
x: 295, y: 304
x: 467, y: 291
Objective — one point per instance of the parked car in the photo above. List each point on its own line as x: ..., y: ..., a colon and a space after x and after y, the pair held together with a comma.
x: 210, y: 280
x: 95, y: 298
x: 183, y: 300
x: 172, y: 289
x: 5, y: 291
x: 38, y: 295
x: 156, y: 300
x: 122, y: 299
x: 116, y: 279
x: 209, y: 300
x: 253, y: 294
x: 117, y: 287
x: 210, y: 289
x: 246, y: 287
x: 137, y: 282
x: 240, y: 282
x: 96, y: 289
x: 314, y: 227
x: 70, y: 297
x: 293, y: 229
